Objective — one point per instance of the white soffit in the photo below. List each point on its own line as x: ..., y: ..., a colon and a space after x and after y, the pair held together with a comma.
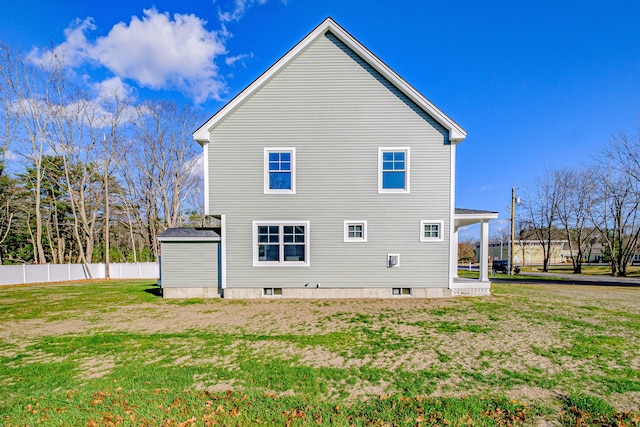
x: 456, y: 132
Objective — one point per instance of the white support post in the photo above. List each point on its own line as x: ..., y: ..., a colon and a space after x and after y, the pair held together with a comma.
x: 223, y: 249
x: 454, y: 254
x: 484, y: 251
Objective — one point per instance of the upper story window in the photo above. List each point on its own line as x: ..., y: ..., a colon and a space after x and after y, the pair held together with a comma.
x: 280, y: 170
x: 431, y: 231
x: 393, y: 170
x: 281, y: 244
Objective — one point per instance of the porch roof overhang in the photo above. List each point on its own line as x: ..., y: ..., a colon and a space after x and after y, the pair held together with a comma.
x: 464, y: 217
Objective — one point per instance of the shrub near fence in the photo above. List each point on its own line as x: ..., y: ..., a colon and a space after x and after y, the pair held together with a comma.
x: 27, y: 273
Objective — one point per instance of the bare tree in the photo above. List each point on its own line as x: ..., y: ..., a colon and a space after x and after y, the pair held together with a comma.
x: 165, y: 165
x: 541, y: 205
x: 30, y: 85
x: 622, y: 153
x: 72, y: 144
x: 117, y: 116
x: 168, y: 146
x: 618, y: 214
x: 577, y: 192
x: 619, y: 176
x: 7, y: 135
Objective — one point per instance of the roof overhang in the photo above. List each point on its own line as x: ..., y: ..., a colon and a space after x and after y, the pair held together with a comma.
x: 464, y: 217
x: 456, y: 132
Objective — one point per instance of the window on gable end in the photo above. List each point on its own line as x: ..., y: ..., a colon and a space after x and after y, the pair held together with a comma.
x: 393, y: 170
x: 280, y: 170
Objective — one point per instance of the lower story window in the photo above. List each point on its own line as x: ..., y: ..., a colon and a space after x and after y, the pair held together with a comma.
x: 431, y: 231
x: 355, y: 231
x: 281, y: 244
x: 401, y: 291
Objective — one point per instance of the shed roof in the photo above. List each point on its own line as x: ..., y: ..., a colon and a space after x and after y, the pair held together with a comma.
x: 183, y: 234
x: 456, y: 132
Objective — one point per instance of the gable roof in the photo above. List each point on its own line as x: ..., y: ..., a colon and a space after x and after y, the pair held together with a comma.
x: 456, y: 132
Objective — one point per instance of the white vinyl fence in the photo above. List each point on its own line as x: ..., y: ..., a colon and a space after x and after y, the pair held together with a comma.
x: 20, y: 274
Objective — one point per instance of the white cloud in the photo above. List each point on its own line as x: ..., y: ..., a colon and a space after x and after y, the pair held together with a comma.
x: 240, y: 7
x: 161, y: 53
x: 113, y: 87
x: 73, y: 51
x: 156, y: 51
x: 231, y: 60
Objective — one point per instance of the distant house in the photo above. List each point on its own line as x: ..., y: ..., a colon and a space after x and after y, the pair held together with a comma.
x: 530, y: 252
x: 331, y: 177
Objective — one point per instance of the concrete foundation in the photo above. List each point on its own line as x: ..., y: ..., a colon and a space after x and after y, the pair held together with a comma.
x: 190, y: 293
x: 336, y: 293
x: 466, y: 289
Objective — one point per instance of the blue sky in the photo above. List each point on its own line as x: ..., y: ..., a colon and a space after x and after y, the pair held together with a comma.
x: 537, y: 85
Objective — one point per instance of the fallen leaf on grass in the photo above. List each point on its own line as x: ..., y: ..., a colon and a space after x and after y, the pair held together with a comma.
x: 189, y: 422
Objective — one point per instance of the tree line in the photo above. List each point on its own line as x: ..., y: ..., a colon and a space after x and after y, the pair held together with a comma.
x: 89, y: 175
x: 594, y: 204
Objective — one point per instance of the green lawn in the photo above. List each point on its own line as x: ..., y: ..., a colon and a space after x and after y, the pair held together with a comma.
x: 114, y: 353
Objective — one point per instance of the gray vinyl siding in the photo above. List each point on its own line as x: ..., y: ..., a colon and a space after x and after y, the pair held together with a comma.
x: 336, y: 111
x: 189, y: 264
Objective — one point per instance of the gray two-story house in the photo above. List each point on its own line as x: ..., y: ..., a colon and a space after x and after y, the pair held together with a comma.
x: 331, y: 177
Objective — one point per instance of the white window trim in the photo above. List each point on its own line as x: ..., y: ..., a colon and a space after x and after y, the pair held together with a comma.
x: 407, y: 189
x: 307, y: 245
x: 348, y: 239
x: 424, y: 222
x: 267, y: 150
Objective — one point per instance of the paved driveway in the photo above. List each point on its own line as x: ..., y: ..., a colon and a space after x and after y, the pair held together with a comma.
x: 570, y: 279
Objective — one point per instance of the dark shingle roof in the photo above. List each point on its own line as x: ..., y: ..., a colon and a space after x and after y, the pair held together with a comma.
x: 188, y: 234
x: 461, y: 211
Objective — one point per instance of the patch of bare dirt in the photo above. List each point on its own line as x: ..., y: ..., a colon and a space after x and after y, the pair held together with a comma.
x: 530, y: 394
x: 626, y: 402
x: 96, y: 367
x: 217, y: 387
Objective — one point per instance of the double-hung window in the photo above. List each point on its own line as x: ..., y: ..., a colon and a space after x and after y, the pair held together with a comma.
x: 281, y: 244
x: 280, y: 170
x: 393, y: 170
x: 431, y: 231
